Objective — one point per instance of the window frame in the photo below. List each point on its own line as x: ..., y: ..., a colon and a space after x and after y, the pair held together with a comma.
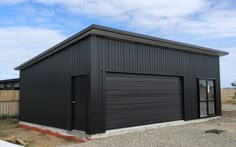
x: 207, y: 99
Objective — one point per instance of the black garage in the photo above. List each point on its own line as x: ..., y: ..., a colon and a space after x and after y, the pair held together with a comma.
x: 103, y: 78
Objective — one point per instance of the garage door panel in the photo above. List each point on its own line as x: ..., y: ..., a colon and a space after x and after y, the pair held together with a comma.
x: 138, y: 92
x: 140, y: 88
x: 141, y: 99
x: 142, y: 115
x: 145, y: 80
x: 118, y: 87
x: 139, y: 78
x: 141, y: 84
x: 139, y: 121
x: 130, y: 104
x: 146, y: 111
x: 146, y: 118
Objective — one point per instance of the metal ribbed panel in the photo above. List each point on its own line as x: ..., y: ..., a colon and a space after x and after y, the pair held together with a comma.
x: 45, y: 96
x: 133, y: 99
x: 131, y: 57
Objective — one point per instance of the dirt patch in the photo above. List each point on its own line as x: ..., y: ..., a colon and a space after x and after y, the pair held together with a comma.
x: 10, y: 127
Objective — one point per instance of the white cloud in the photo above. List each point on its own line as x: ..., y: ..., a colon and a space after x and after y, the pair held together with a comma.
x: 19, y: 44
x: 132, y: 8
x: 214, y: 18
x: 11, y: 2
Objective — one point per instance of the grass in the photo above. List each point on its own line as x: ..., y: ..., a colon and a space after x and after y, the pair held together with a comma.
x: 8, y: 116
x: 8, y: 121
x: 232, y: 101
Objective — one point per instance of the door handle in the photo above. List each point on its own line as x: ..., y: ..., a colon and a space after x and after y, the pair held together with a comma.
x: 73, y: 102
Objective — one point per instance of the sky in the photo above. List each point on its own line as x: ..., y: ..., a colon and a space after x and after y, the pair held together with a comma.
x: 29, y: 27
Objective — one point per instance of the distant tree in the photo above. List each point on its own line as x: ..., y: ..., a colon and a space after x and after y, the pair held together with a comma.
x: 234, y: 84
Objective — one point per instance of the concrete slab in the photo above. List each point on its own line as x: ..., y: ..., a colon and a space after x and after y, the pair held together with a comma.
x: 82, y: 135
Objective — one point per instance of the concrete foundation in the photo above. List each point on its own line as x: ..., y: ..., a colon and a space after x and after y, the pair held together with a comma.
x: 81, y: 136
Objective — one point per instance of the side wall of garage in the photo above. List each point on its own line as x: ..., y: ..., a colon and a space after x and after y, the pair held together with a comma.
x: 45, y: 96
x: 119, y: 56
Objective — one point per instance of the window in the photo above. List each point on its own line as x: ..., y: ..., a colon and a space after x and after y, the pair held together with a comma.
x: 202, y: 87
x: 16, y: 86
x: 1, y: 86
x: 206, y: 97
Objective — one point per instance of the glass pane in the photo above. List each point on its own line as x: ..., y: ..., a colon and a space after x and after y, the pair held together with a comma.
x: 8, y: 85
x: 203, y: 109
x: 16, y: 84
x: 210, y: 89
x: 202, y: 90
x: 211, y: 107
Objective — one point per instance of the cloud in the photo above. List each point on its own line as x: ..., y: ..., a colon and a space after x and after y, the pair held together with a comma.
x: 131, y: 8
x: 19, y: 44
x: 11, y: 2
x: 215, y: 18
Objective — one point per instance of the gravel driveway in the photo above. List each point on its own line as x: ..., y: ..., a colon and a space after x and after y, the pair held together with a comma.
x: 190, y: 135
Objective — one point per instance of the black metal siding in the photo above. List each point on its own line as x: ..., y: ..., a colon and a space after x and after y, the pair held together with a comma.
x: 95, y: 112
x: 140, y: 99
x: 131, y: 57
x: 45, y: 96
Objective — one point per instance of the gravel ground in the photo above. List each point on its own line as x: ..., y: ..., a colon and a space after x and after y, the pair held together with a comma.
x: 191, y: 135
x: 229, y: 107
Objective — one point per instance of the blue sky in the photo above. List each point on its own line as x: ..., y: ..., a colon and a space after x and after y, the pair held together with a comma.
x: 29, y: 27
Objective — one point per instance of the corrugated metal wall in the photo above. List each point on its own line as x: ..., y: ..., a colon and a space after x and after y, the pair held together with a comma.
x: 140, y: 99
x: 45, y: 96
x: 131, y: 57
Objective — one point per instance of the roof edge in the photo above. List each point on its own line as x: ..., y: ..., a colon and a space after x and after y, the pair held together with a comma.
x: 85, y: 32
x: 10, y: 80
x: 221, y: 53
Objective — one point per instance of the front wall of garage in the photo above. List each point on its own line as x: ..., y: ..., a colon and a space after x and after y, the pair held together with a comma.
x: 121, y: 56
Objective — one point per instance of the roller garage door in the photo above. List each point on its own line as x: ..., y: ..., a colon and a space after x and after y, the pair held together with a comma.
x: 133, y: 100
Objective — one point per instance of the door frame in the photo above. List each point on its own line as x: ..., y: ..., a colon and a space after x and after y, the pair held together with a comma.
x: 198, y: 94
x: 71, y: 99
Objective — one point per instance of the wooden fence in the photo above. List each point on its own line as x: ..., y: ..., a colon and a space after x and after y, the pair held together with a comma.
x: 9, y: 103
x: 227, y: 95
x: 9, y: 108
